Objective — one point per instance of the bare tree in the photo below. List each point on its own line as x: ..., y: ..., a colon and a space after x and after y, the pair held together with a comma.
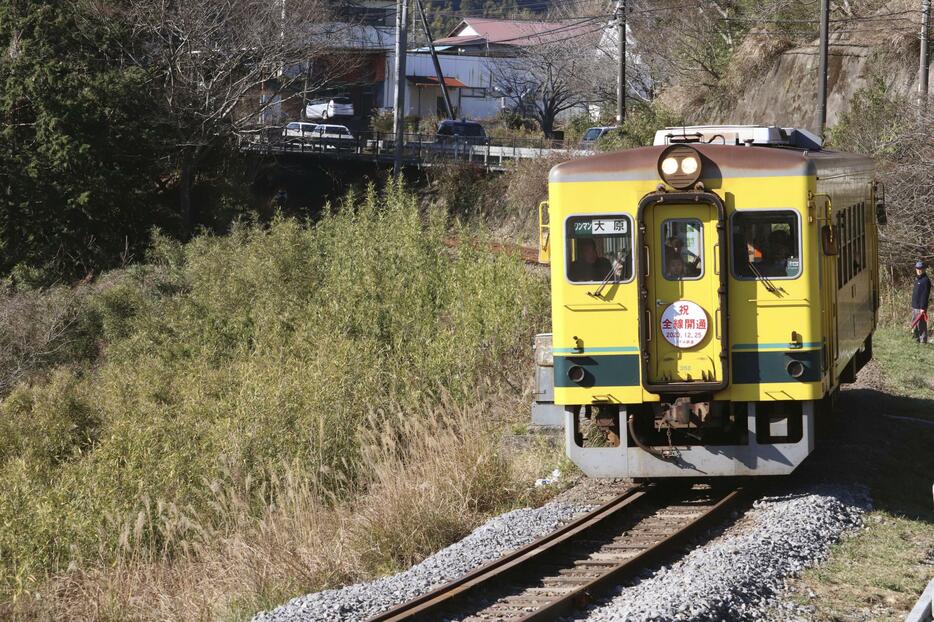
x: 889, y: 127
x: 550, y: 75
x: 220, y: 64
x: 699, y: 46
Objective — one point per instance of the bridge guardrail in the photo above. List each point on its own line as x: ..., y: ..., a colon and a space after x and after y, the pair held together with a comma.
x: 416, y: 146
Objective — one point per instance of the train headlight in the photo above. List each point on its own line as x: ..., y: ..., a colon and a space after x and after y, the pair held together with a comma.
x: 669, y: 166
x: 576, y: 373
x: 689, y: 165
x: 680, y: 166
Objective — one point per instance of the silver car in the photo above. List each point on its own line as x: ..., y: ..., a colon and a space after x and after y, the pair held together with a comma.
x: 592, y: 135
x: 329, y: 108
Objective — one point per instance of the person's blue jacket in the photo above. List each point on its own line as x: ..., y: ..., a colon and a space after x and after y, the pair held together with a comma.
x: 921, y: 295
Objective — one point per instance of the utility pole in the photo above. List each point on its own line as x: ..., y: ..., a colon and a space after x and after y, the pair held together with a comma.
x: 822, y: 83
x: 923, y: 69
x: 437, y: 63
x: 402, y: 26
x: 621, y: 80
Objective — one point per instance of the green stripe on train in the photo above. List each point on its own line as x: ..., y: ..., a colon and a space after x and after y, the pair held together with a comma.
x: 622, y: 370
x: 600, y: 370
x: 760, y: 367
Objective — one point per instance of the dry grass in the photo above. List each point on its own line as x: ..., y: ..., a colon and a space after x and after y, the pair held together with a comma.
x: 506, y: 203
x: 521, y: 189
x: 874, y: 576
x: 40, y: 329
x: 431, y: 479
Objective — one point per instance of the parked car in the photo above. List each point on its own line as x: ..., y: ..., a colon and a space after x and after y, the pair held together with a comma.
x: 330, y: 136
x: 593, y: 134
x: 299, y: 129
x: 340, y: 132
x: 329, y: 108
x: 462, y: 132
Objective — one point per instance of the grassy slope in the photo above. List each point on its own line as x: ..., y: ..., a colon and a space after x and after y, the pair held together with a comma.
x: 879, y: 573
x: 272, y: 412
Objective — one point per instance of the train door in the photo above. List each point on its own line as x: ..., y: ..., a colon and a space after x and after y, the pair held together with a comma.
x: 683, y: 294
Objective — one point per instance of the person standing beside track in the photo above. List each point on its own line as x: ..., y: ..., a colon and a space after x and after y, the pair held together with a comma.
x: 920, y: 298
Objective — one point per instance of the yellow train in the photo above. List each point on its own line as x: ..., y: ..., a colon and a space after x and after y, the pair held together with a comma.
x: 709, y: 295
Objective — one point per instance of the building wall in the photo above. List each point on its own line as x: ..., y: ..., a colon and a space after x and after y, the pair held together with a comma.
x: 478, y: 101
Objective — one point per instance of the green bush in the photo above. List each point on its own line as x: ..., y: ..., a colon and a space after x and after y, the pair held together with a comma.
x: 240, y: 354
x: 576, y: 127
x: 638, y: 130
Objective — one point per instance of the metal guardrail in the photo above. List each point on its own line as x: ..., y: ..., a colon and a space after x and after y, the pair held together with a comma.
x: 418, y: 148
x: 923, y: 610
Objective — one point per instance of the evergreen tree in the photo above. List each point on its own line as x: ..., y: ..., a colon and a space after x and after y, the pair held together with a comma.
x: 78, y: 151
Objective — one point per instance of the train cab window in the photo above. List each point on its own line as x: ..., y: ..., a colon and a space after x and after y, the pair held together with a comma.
x: 599, y: 248
x: 683, y: 257
x: 766, y: 244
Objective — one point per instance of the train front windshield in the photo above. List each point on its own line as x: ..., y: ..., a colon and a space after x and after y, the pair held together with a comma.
x: 766, y: 244
x: 594, y: 243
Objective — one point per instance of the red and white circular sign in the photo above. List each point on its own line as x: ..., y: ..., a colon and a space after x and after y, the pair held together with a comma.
x: 684, y: 324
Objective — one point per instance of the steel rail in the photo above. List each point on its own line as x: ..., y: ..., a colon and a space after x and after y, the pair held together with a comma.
x: 442, y: 600
x: 568, y: 602
x: 488, y: 572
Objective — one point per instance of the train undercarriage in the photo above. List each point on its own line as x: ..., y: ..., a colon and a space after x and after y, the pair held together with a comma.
x: 671, y: 440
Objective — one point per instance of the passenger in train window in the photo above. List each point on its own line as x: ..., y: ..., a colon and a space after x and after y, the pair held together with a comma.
x: 680, y: 262
x: 675, y: 269
x: 778, y: 256
x: 589, y: 265
x: 766, y: 245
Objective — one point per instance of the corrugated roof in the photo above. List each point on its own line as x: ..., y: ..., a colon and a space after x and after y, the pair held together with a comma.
x: 516, y: 33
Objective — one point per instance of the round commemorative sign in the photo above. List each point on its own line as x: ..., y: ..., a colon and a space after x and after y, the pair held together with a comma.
x: 684, y: 324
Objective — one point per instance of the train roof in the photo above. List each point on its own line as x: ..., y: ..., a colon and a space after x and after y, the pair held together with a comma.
x: 719, y: 161
x: 739, y: 135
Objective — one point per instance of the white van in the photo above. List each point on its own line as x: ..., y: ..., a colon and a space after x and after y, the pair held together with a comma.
x: 299, y: 129
x: 340, y: 132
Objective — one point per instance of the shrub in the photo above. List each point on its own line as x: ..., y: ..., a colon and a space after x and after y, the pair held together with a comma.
x: 235, y: 359
x: 40, y: 329
x: 576, y: 127
x: 381, y: 121
x: 432, y: 474
x: 638, y: 130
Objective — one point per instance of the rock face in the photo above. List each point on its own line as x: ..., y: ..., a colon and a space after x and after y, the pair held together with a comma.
x: 783, y: 90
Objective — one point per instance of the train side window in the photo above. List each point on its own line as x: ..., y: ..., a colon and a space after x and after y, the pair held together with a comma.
x: 598, y: 248
x: 861, y: 248
x: 766, y: 244
x: 846, y: 247
x: 851, y: 233
x: 683, y: 257
x: 841, y: 235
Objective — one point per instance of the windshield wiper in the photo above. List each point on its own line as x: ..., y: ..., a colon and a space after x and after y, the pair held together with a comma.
x: 765, y: 280
x: 616, y: 270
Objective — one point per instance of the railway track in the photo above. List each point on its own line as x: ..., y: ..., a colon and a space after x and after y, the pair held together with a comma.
x: 564, y: 570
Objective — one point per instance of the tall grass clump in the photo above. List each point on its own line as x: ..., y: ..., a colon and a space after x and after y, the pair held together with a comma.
x: 248, y: 383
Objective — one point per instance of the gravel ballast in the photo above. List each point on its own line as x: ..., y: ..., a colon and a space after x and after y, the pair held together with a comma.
x: 486, y: 543
x: 737, y: 576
